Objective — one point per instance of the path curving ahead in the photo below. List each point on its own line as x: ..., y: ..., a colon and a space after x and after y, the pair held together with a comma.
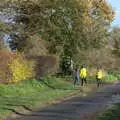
x: 77, y: 108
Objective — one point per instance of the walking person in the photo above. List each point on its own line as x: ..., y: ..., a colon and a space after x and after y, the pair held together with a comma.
x: 83, y: 75
x: 99, y: 76
x: 76, y: 76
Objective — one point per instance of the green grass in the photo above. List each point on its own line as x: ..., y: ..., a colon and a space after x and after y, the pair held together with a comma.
x: 33, y: 93
x: 112, y: 77
x: 112, y: 114
x: 36, y: 93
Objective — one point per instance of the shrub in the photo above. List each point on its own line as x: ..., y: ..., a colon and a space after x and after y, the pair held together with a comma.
x: 19, y: 69
x: 44, y: 65
x: 13, y: 67
x: 110, y: 78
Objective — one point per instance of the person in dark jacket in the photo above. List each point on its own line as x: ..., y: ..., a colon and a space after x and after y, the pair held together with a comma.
x: 76, y: 76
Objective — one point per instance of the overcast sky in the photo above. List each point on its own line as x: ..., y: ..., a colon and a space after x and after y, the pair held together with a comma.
x: 116, y: 6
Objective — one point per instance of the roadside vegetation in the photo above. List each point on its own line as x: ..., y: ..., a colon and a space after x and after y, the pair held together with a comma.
x: 112, y: 114
x: 40, y: 38
x: 112, y: 77
x: 32, y: 94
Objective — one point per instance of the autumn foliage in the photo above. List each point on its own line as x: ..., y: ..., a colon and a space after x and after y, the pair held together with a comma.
x: 13, y: 67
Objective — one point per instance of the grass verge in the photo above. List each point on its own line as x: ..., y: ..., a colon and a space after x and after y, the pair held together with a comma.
x: 31, y: 94
x: 112, y: 114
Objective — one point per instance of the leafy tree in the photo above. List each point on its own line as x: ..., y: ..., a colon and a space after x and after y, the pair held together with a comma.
x: 68, y: 26
x: 115, y: 41
x: 63, y: 23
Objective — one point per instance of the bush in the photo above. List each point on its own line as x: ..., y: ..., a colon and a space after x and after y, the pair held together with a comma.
x: 110, y: 78
x: 117, y: 74
x: 44, y: 65
x: 13, y: 67
x: 19, y: 69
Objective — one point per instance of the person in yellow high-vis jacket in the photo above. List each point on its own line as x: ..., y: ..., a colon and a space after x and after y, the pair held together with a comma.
x: 83, y: 75
x: 99, y: 76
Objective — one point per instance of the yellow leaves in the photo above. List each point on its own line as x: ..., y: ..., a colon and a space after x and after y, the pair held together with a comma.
x: 20, y: 70
x: 14, y: 67
x: 105, y: 9
x: 92, y: 9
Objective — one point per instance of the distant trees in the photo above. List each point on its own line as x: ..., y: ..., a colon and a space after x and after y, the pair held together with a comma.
x: 115, y: 41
